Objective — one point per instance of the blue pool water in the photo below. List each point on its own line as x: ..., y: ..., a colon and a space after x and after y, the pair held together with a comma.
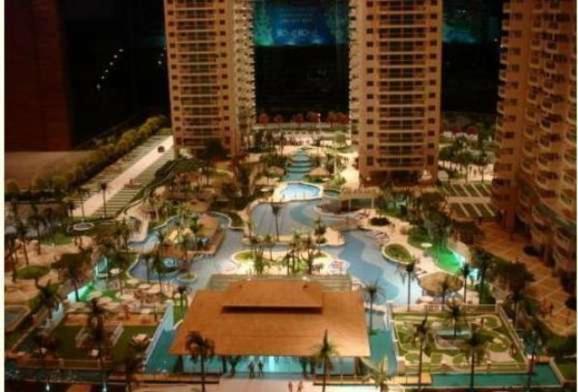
x: 299, y: 191
x: 543, y: 376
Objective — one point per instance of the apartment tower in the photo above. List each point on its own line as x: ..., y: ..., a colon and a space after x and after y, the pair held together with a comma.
x: 535, y: 172
x: 211, y: 73
x: 395, y: 87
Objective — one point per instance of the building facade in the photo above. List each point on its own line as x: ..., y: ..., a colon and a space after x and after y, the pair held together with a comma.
x: 37, y: 112
x: 395, y: 86
x: 211, y: 73
x: 535, y: 172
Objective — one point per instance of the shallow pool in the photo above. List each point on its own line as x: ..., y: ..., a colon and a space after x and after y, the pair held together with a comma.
x: 299, y: 191
x: 543, y: 376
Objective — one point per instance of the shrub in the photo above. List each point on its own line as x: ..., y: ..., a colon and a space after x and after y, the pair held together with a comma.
x: 31, y: 272
x: 379, y: 221
x: 398, y: 252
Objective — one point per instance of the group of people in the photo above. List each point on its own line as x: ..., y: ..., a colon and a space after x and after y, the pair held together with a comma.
x: 299, y: 386
x: 252, y: 369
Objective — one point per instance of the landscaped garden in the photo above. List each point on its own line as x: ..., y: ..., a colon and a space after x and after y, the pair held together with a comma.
x: 447, y: 345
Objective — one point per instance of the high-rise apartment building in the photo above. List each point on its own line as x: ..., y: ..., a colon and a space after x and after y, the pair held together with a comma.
x: 395, y: 86
x: 38, y: 115
x: 211, y: 73
x: 535, y: 171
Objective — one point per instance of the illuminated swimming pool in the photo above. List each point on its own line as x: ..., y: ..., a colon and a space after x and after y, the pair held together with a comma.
x: 299, y: 191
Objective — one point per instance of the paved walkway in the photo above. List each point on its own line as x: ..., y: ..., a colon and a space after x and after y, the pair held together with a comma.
x: 93, y: 205
x: 546, y: 288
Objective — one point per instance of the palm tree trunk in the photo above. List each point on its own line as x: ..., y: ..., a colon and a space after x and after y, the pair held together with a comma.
x: 455, y: 328
x: 531, y: 367
x: 443, y: 299
x: 472, y: 372
x: 324, y: 375
x: 104, y: 202
x: 371, y: 315
x: 203, y: 373
x: 408, y: 292
x: 75, y: 286
x: 277, y: 226
x: 465, y: 288
x: 515, y: 320
x: 25, y: 253
x: 39, y: 247
x: 420, y: 364
x: 482, y: 282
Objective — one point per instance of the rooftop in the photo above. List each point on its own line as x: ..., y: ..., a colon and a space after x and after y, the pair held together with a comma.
x: 276, y: 317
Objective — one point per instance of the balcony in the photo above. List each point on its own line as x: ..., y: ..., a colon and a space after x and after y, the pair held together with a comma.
x: 527, y: 167
x: 550, y: 126
x: 540, y: 220
x: 568, y: 198
x: 538, y: 235
x: 529, y: 132
x: 546, y: 181
x: 565, y: 240
x: 547, y: 162
x: 531, y: 115
x: 571, y: 136
x: 564, y: 261
x: 570, y: 157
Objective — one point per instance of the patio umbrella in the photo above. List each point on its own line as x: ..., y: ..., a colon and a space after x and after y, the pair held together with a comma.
x: 319, y: 172
x: 115, y: 271
x: 77, y: 305
x: 127, y: 297
x: 432, y: 283
x: 105, y: 300
x: 94, y: 294
x: 154, y: 290
x: 132, y: 282
x: 144, y: 286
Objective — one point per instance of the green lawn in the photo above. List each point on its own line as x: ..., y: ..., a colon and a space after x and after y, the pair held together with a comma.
x: 483, y: 189
x: 568, y: 369
x: 56, y: 238
x: 471, y: 190
x: 485, y: 210
x: 397, y: 253
x: 447, y: 260
x: 458, y: 209
x: 471, y: 210
x: 31, y: 272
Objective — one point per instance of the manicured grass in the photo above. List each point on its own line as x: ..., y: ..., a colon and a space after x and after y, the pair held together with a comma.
x: 418, y: 236
x: 471, y: 211
x: 471, y: 190
x: 458, y: 209
x: 31, y: 272
x: 485, y: 210
x: 236, y: 220
x: 398, y: 253
x: 459, y: 190
x: 447, y: 260
x: 483, y: 189
x: 449, y: 190
x: 568, y: 369
x: 56, y: 238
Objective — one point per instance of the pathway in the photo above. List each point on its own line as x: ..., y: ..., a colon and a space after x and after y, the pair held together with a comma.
x: 120, y: 191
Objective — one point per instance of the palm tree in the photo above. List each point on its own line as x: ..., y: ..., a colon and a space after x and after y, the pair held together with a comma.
x: 45, y: 345
x: 159, y: 267
x: 96, y: 313
x: 324, y: 353
x: 534, y: 338
x: 22, y: 234
x: 36, y: 221
x: 310, y: 247
x: 484, y: 262
x: 379, y: 373
x: 74, y: 271
x: 475, y: 348
x: 200, y: 347
x: 422, y: 333
x: 122, y: 231
x: 465, y: 271
x: 319, y: 230
x: 372, y: 292
x: 516, y: 297
x: 182, y: 290
x: 132, y: 362
x: 455, y: 314
x: 445, y: 286
x: 82, y: 192
x: 268, y: 242
x: 276, y: 210
x: 48, y: 297
x: 103, y: 188
x: 408, y: 272
x: 98, y: 338
x: 294, y: 247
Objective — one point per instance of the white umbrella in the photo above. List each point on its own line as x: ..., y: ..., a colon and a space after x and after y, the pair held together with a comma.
x: 127, y: 297
x: 144, y: 286
x: 132, y: 282
x: 146, y: 311
x: 77, y: 305
x: 115, y: 271
x: 154, y: 290
x: 95, y: 294
x: 105, y: 300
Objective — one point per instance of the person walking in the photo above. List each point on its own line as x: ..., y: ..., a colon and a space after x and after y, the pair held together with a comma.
x: 251, y: 369
x: 300, y: 386
x: 290, y: 385
x: 260, y: 367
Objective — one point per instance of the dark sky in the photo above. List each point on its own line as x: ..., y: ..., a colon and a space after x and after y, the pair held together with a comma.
x: 137, y: 82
